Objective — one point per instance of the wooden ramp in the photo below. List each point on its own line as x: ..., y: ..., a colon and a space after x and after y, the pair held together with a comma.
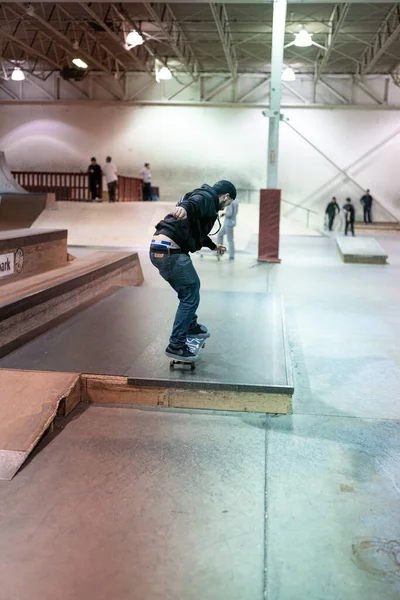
x: 29, y: 402
x: 361, y: 250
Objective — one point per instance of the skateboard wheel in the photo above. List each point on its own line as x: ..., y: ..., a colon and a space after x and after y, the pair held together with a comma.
x: 192, y: 366
x: 171, y: 364
x: 204, y: 345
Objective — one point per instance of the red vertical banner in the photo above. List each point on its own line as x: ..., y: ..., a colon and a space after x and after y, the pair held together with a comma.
x: 268, y: 236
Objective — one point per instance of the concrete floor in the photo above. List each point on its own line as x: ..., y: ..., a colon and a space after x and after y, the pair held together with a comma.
x: 142, y: 504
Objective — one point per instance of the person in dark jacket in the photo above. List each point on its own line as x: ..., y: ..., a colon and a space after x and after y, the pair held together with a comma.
x: 95, y: 179
x: 332, y: 210
x: 350, y: 215
x: 366, y: 201
x: 186, y: 230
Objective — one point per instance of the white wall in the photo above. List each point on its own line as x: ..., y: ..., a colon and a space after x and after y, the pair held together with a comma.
x: 187, y: 146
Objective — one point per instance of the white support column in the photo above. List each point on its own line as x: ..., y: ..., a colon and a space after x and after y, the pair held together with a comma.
x: 278, y: 41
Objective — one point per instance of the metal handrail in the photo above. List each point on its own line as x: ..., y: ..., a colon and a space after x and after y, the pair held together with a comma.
x: 309, y: 210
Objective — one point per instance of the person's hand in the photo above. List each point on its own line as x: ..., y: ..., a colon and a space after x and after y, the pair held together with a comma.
x: 179, y: 213
x: 220, y: 249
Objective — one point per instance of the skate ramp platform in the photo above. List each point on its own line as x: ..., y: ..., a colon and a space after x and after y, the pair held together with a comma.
x: 8, y: 185
x: 131, y: 224
x: 118, y: 344
x: 19, y: 208
x: 19, y: 211
x: 361, y: 250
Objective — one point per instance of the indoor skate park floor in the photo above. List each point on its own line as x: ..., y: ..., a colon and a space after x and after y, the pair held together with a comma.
x: 127, y: 503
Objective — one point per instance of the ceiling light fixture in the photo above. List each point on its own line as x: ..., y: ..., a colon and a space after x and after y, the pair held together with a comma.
x: 18, y: 74
x: 162, y: 72
x: 288, y: 74
x: 78, y: 62
x: 303, y: 39
x: 133, y: 39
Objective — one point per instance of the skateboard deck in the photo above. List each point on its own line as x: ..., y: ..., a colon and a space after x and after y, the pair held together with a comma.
x: 195, y: 344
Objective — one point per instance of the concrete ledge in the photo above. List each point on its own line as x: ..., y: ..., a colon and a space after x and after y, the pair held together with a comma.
x: 120, y: 390
x: 361, y: 250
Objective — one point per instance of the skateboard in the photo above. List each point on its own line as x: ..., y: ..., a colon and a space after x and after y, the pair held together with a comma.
x: 218, y: 253
x: 195, y: 345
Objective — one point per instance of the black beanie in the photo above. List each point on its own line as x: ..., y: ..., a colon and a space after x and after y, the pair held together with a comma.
x: 225, y: 187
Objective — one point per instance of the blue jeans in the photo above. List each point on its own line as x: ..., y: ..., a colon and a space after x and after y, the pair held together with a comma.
x: 181, y: 275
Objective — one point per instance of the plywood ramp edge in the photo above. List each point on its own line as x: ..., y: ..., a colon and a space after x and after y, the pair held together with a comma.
x: 117, y: 390
x: 29, y: 403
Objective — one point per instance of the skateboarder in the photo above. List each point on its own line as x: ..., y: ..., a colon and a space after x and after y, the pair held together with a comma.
x: 332, y: 210
x: 350, y: 215
x: 186, y: 230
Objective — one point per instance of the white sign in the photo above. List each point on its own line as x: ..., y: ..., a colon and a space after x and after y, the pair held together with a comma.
x: 6, y: 264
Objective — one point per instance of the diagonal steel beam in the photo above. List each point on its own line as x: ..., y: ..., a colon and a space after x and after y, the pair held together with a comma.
x: 181, y: 90
x: 165, y: 19
x: 246, y: 95
x: 367, y: 91
x: 39, y: 87
x: 225, y: 35
x: 295, y: 92
x: 388, y: 32
x: 334, y: 92
x: 219, y: 88
x: 105, y: 87
x: 137, y: 62
x: 9, y: 92
x: 336, y: 21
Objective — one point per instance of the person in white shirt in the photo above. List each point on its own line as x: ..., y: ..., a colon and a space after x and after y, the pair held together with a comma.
x: 231, y: 212
x: 146, y: 177
x: 111, y: 175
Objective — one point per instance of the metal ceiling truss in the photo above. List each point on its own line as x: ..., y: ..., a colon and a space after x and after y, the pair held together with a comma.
x: 224, y: 31
x: 336, y: 21
x: 84, y: 42
x: 388, y: 32
x: 133, y: 59
x: 96, y: 54
x: 165, y: 19
x: 211, y: 88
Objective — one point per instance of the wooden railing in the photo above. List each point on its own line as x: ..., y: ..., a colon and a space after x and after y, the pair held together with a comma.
x: 75, y: 186
x: 130, y: 189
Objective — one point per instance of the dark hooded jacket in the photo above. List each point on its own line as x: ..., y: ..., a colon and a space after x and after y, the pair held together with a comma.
x: 191, y: 234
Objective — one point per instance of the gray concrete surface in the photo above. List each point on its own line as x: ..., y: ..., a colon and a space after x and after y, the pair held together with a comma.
x: 102, y: 510
x: 130, y: 505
